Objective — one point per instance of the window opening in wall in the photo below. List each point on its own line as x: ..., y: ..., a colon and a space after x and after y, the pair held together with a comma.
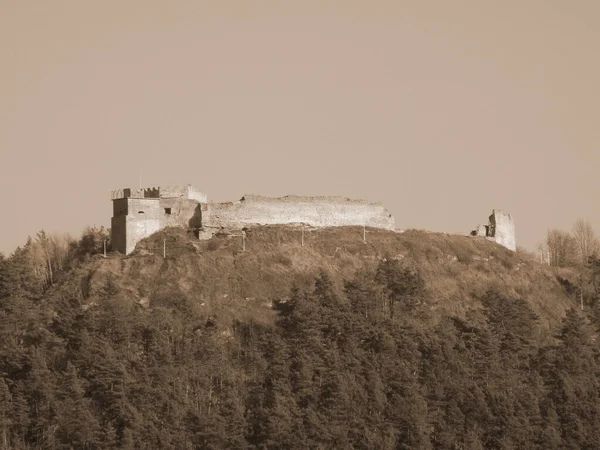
x: 167, y: 210
x: 140, y: 212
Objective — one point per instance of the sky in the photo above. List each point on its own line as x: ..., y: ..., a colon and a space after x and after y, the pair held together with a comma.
x: 441, y: 110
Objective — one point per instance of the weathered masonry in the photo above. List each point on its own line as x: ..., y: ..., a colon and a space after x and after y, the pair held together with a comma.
x: 137, y: 213
x: 500, y: 228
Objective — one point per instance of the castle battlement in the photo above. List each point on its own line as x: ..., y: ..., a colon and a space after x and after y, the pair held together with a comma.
x: 175, y: 191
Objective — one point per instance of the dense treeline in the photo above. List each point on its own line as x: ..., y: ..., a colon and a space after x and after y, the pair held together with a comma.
x: 340, y: 368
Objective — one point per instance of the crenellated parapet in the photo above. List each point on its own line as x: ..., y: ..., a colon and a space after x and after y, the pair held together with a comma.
x: 175, y: 191
x: 120, y: 193
x: 153, y: 192
x: 135, y: 193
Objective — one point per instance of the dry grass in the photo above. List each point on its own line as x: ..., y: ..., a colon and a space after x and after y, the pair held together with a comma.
x: 221, y: 279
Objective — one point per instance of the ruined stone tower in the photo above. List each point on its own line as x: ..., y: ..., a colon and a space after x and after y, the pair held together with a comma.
x: 500, y: 229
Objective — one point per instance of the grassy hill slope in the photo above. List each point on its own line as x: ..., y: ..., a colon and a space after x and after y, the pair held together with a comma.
x: 224, y: 280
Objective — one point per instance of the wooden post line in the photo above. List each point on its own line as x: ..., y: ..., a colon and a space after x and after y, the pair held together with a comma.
x: 365, y: 233
x: 243, y: 235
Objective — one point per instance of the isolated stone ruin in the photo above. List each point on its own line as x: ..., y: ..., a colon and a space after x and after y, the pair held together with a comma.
x: 500, y: 229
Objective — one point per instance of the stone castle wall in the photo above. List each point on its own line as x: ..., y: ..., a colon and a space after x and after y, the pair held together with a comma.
x: 503, y: 229
x: 138, y: 213
x: 137, y: 218
x: 312, y: 211
x: 186, y: 191
x: 133, y: 219
x: 183, y: 212
x: 500, y: 229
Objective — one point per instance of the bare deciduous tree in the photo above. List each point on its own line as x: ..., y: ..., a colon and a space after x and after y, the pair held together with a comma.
x: 48, y: 254
x: 561, y: 248
x: 586, y: 242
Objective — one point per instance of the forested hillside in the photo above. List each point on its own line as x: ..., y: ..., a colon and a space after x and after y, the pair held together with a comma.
x: 340, y: 338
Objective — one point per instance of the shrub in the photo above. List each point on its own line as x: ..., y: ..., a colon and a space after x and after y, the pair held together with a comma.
x: 213, y: 245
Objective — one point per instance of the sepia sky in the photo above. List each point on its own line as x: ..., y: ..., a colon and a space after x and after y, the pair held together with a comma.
x: 442, y: 110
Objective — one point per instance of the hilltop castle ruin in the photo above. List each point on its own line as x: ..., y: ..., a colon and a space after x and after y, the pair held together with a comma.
x: 500, y: 229
x: 138, y: 213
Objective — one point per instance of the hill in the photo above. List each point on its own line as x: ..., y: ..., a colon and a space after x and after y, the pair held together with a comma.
x: 275, y: 340
x: 457, y: 270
